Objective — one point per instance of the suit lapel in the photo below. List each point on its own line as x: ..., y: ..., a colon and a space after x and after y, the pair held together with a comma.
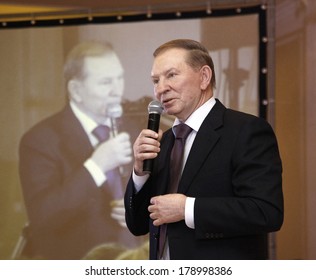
x: 205, y: 141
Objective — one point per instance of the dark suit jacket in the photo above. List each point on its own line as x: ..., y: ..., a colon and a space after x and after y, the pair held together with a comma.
x: 234, y: 171
x: 68, y: 213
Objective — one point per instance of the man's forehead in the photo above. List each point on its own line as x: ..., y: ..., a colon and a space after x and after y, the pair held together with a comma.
x: 168, y: 61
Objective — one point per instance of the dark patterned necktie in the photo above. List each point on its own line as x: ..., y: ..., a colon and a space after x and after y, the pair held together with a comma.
x: 181, y: 132
x: 102, y: 133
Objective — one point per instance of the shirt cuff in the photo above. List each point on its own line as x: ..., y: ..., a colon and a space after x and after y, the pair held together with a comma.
x: 95, y: 171
x: 139, y: 181
x: 189, y: 212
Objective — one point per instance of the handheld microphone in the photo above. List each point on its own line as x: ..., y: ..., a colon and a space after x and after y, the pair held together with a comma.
x: 114, y: 111
x: 155, y: 109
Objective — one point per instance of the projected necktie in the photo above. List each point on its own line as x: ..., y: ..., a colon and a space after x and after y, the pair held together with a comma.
x: 102, y: 133
x: 181, y: 132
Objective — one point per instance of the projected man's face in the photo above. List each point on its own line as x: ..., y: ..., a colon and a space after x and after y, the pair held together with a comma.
x: 102, y: 85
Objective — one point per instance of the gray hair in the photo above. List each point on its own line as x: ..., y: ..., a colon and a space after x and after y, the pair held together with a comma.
x: 73, y: 67
x: 198, y: 55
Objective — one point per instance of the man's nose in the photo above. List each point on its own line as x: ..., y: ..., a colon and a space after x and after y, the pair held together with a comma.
x: 162, y: 86
x: 117, y: 87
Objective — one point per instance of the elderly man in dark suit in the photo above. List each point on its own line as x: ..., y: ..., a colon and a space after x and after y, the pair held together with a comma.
x: 69, y: 172
x: 229, y: 196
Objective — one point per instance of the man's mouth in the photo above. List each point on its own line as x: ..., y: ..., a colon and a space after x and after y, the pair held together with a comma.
x: 167, y: 102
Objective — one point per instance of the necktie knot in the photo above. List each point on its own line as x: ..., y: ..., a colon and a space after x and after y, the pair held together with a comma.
x: 182, y: 131
x: 101, y: 132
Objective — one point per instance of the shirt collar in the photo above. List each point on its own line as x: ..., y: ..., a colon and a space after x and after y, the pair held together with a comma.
x: 197, y: 117
x: 87, y: 123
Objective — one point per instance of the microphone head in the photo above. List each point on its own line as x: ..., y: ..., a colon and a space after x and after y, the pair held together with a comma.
x: 155, y: 107
x: 115, y: 111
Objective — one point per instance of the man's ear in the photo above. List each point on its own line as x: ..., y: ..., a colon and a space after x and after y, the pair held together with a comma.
x: 206, y: 76
x: 74, y: 92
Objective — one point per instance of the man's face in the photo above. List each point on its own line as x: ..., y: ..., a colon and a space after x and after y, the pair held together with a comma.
x: 176, y: 85
x: 102, y: 85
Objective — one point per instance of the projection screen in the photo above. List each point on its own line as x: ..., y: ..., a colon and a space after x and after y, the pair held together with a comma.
x: 32, y: 86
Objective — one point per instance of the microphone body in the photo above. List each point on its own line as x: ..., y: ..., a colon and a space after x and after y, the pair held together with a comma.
x: 153, y: 122
x: 114, y: 127
x: 114, y: 112
x: 154, y: 109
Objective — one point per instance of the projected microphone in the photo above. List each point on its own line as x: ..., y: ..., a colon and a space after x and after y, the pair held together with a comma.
x: 114, y: 111
x: 154, y: 110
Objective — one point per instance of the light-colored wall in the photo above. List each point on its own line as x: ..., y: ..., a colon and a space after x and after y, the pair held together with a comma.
x: 296, y: 125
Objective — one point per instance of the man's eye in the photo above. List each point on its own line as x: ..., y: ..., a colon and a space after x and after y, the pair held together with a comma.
x: 171, y: 75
